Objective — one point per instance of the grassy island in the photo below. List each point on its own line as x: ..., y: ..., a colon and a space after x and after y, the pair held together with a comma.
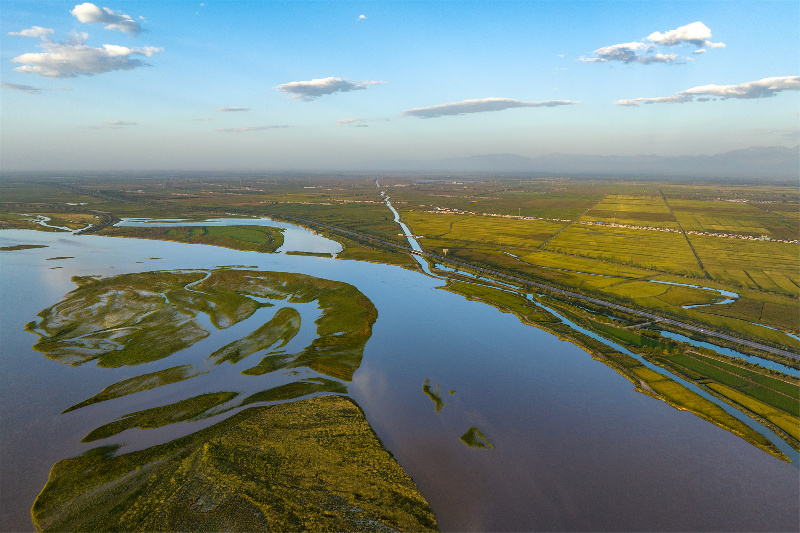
x: 252, y: 238
x: 310, y: 465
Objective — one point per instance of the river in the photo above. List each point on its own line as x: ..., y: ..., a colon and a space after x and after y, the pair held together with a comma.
x: 575, y: 447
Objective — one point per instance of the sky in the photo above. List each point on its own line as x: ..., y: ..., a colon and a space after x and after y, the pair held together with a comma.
x: 278, y: 85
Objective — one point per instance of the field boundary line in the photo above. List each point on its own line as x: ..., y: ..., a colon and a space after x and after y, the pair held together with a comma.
x: 568, y: 224
x: 671, y: 212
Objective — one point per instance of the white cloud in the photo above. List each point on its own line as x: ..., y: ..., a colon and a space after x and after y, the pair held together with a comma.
x: 646, y: 53
x: 251, y: 128
x: 700, y: 51
x: 68, y: 60
x: 34, y: 31
x: 695, y: 33
x: 344, y: 121
x: 309, y: 90
x: 752, y: 89
x: 479, y: 106
x: 17, y: 87
x: 233, y: 109
x: 114, y: 20
x: 362, y: 17
x: 629, y: 53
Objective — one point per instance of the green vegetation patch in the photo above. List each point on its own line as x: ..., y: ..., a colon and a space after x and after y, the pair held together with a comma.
x: 311, y: 465
x: 309, y: 254
x: 434, y: 393
x: 21, y: 247
x: 474, y: 438
x: 142, y: 317
x: 15, y: 221
x: 140, y: 383
x: 343, y: 328
x: 290, y: 391
x: 252, y: 238
x: 281, y: 328
x: 190, y: 409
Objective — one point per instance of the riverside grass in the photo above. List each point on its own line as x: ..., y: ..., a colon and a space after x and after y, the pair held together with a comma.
x: 310, y: 465
x: 646, y: 380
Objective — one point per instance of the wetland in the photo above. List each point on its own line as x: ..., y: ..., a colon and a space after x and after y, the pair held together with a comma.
x: 143, y: 358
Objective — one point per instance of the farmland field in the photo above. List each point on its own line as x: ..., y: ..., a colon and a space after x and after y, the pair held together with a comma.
x: 661, y: 251
x: 634, y: 210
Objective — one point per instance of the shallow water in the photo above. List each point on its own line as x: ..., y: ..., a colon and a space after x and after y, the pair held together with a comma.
x: 575, y: 447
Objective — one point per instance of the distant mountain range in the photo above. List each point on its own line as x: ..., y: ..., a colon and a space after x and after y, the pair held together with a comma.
x: 775, y: 162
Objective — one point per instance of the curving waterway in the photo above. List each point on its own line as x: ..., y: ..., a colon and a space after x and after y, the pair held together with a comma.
x: 575, y: 447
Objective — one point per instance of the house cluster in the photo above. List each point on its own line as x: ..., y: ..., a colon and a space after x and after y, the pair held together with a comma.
x: 693, y: 232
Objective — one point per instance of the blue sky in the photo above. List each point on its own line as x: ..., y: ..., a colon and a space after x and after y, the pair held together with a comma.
x: 229, y: 85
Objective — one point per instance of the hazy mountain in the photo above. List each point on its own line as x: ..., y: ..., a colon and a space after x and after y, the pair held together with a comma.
x: 757, y: 162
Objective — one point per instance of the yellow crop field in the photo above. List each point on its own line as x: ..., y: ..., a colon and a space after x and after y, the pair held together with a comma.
x: 664, y: 251
x: 769, y: 266
x: 506, y: 232
x: 583, y: 264
x: 633, y: 210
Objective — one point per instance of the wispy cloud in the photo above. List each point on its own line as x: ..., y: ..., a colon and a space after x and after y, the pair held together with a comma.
x: 35, y: 31
x: 312, y: 89
x: 695, y: 33
x: 349, y: 121
x: 479, y: 106
x: 251, y: 128
x: 114, y: 125
x: 114, y: 20
x: 71, y: 59
x: 233, y: 109
x: 17, y: 87
x: 792, y: 133
x: 646, y: 50
x: 764, y: 88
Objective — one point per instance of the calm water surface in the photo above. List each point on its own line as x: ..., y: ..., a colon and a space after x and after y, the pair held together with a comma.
x: 575, y: 447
